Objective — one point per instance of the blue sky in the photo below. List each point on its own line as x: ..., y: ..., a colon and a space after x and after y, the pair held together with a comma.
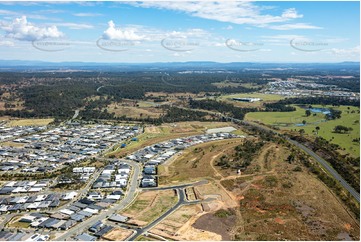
x: 152, y: 31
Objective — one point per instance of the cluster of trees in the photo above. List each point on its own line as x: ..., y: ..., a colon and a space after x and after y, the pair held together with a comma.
x: 56, y: 99
x: 278, y: 107
x: 347, y: 167
x: 340, y: 129
x: 242, y: 156
x: 334, y: 101
x: 222, y: 107
x: 334, y: 114
x: 299, y: 156
x: 175, y: 114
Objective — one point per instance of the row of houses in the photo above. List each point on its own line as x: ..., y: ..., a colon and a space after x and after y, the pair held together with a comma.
x: 62, y: 145
x: 156, y: 154
x: 27, y: 203
x: 97, y: 230
x: 23, y: 187
x: 22, y: 236
x: 76, y: 212
x: 8, y: 133
x: 114, y: 175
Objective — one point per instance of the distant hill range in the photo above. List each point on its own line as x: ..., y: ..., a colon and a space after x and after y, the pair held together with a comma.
x: 19, y: 65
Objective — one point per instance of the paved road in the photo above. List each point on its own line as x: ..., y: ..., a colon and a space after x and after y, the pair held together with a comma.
x: 75, y: 114
x: 182, y: 200
x: 98, y: 89
x: 199, y: 183
x: 321, y: 161
x: 337, y: 176
x: 128, y: 198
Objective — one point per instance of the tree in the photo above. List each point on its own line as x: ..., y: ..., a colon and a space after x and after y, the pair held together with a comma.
x: 341, y: 129
x: 308, y: 113
x: 317, y: 129
x: 304, y: 122
x: 301, y: 131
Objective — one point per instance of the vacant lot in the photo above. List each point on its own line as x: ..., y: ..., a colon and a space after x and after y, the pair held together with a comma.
x: 350, y: 117
x: 276, y: 201
x: 195, y: 163
x: 149, y: 205
x: 178, y: 225
x: 117, y: 234
x: 135, y: 112
x: 31, y: 122
x: 266, y: 98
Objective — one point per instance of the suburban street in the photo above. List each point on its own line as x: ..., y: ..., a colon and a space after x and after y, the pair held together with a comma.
x: 182, y: 200
x: 128, y: 198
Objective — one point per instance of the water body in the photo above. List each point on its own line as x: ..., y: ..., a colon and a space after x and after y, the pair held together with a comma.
x: 320, y: 110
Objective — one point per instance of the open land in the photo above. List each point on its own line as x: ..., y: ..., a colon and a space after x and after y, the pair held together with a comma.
x: 350, y: 117
x: 271, y: 200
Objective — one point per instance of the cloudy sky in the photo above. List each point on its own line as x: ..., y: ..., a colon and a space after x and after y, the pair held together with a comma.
x: 162, y: 31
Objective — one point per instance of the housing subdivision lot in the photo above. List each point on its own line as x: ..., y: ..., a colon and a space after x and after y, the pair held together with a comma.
x: 157, y: 134
x: 149, y: 205
x: 51, y: 149
x: 152, y: 156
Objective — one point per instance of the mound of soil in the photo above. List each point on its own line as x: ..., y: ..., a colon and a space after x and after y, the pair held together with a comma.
x: 218, y: 225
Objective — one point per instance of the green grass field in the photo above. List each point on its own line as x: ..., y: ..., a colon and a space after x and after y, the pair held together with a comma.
x: 288, y: 121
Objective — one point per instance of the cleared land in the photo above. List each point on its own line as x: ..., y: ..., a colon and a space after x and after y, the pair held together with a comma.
x: 117, y: 234
x: 266, y: 98
x: 142, y: 111
x: 149, y: 205
x: 178, y: 225
x: 30, y: 122
x: 194, y: 164
x: 155, y: 134
x: 350, y: 117
x: 271, y: 200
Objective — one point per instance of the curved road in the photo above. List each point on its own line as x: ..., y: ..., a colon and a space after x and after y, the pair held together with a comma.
x: 181, y: 201
x: 320, y: 160
x: 128, y: 198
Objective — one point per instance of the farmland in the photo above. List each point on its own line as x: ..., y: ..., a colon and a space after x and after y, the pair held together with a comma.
x: 292, y: 121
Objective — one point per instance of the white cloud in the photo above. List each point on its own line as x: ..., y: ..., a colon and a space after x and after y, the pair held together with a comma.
x: 87, y: 14
x: 241, y: 12
x: 229, y: 27
x: 21, y: 29
x: 114, y: 33
x: 291, y: 13
x: 75, y: 25
x: 6, y: 43
x: 6, y: 12
x: 355, y: 51
x: 294, y: 26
